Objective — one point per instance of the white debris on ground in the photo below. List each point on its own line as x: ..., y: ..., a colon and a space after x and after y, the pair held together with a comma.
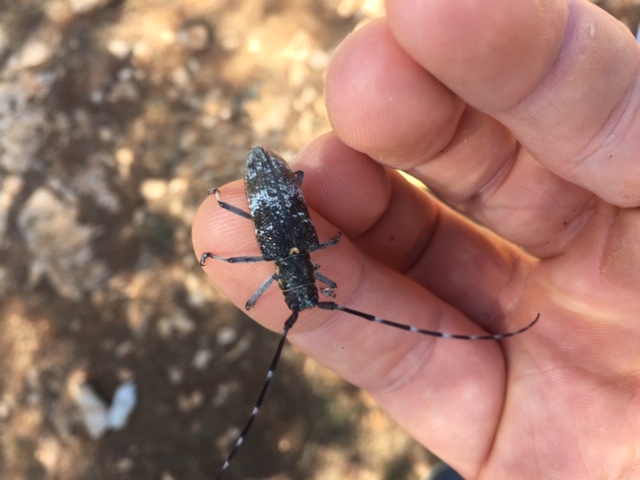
x: 124, y: 401
x: 92, y: 408
x: 86, y: 6
x: 60, y: 246
x: 96, y: 415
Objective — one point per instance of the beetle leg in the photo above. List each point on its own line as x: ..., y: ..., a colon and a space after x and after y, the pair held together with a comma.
x: 204, y: 256
x: 330, y: 284
x: 254, y: 298
x: 329, y: 243
x: 226, y: 206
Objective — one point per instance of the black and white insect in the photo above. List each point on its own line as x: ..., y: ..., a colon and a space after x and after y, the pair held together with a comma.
x: 286, y: 236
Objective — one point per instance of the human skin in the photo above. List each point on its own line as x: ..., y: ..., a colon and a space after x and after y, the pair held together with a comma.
x: 525, y: 116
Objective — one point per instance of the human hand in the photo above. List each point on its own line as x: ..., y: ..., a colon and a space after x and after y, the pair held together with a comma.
x: 556, y: 176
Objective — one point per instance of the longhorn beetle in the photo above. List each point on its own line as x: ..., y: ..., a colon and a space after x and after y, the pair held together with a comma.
x: 286, y: 236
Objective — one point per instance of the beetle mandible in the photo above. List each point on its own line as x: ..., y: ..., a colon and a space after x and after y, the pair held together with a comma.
x: 286, y: 236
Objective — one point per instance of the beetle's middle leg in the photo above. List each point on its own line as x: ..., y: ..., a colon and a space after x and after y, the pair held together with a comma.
x: 204, y: 256
x: 329, y: 243
x: 229, y: 207
x: 258, y: 293
x: 241, y: 213
x: 330, y: 284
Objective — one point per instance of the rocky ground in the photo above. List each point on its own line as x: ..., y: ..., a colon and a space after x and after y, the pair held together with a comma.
x: 115, y: 119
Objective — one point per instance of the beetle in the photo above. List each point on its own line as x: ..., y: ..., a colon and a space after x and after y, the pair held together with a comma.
x: 286, y: 236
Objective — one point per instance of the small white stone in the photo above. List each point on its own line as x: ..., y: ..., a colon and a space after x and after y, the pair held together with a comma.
x: 226, y: 336
x: 153, y: 189
x: 201, y: 358
x: 93, y: 409
x: 188, y: 402
x: 175, y: 375
x: 124, y: 465
x: 119, y: 48
x: 48, y: 454
x: 124, y: 401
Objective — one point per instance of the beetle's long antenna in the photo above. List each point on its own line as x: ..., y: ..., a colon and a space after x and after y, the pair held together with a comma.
x: 267, y: 381
x: 433, y: 333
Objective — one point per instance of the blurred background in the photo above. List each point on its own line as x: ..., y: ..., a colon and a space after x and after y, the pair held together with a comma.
x: 116, y: 116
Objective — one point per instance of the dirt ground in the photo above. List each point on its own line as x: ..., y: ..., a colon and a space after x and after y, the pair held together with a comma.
x: 115, y: 119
